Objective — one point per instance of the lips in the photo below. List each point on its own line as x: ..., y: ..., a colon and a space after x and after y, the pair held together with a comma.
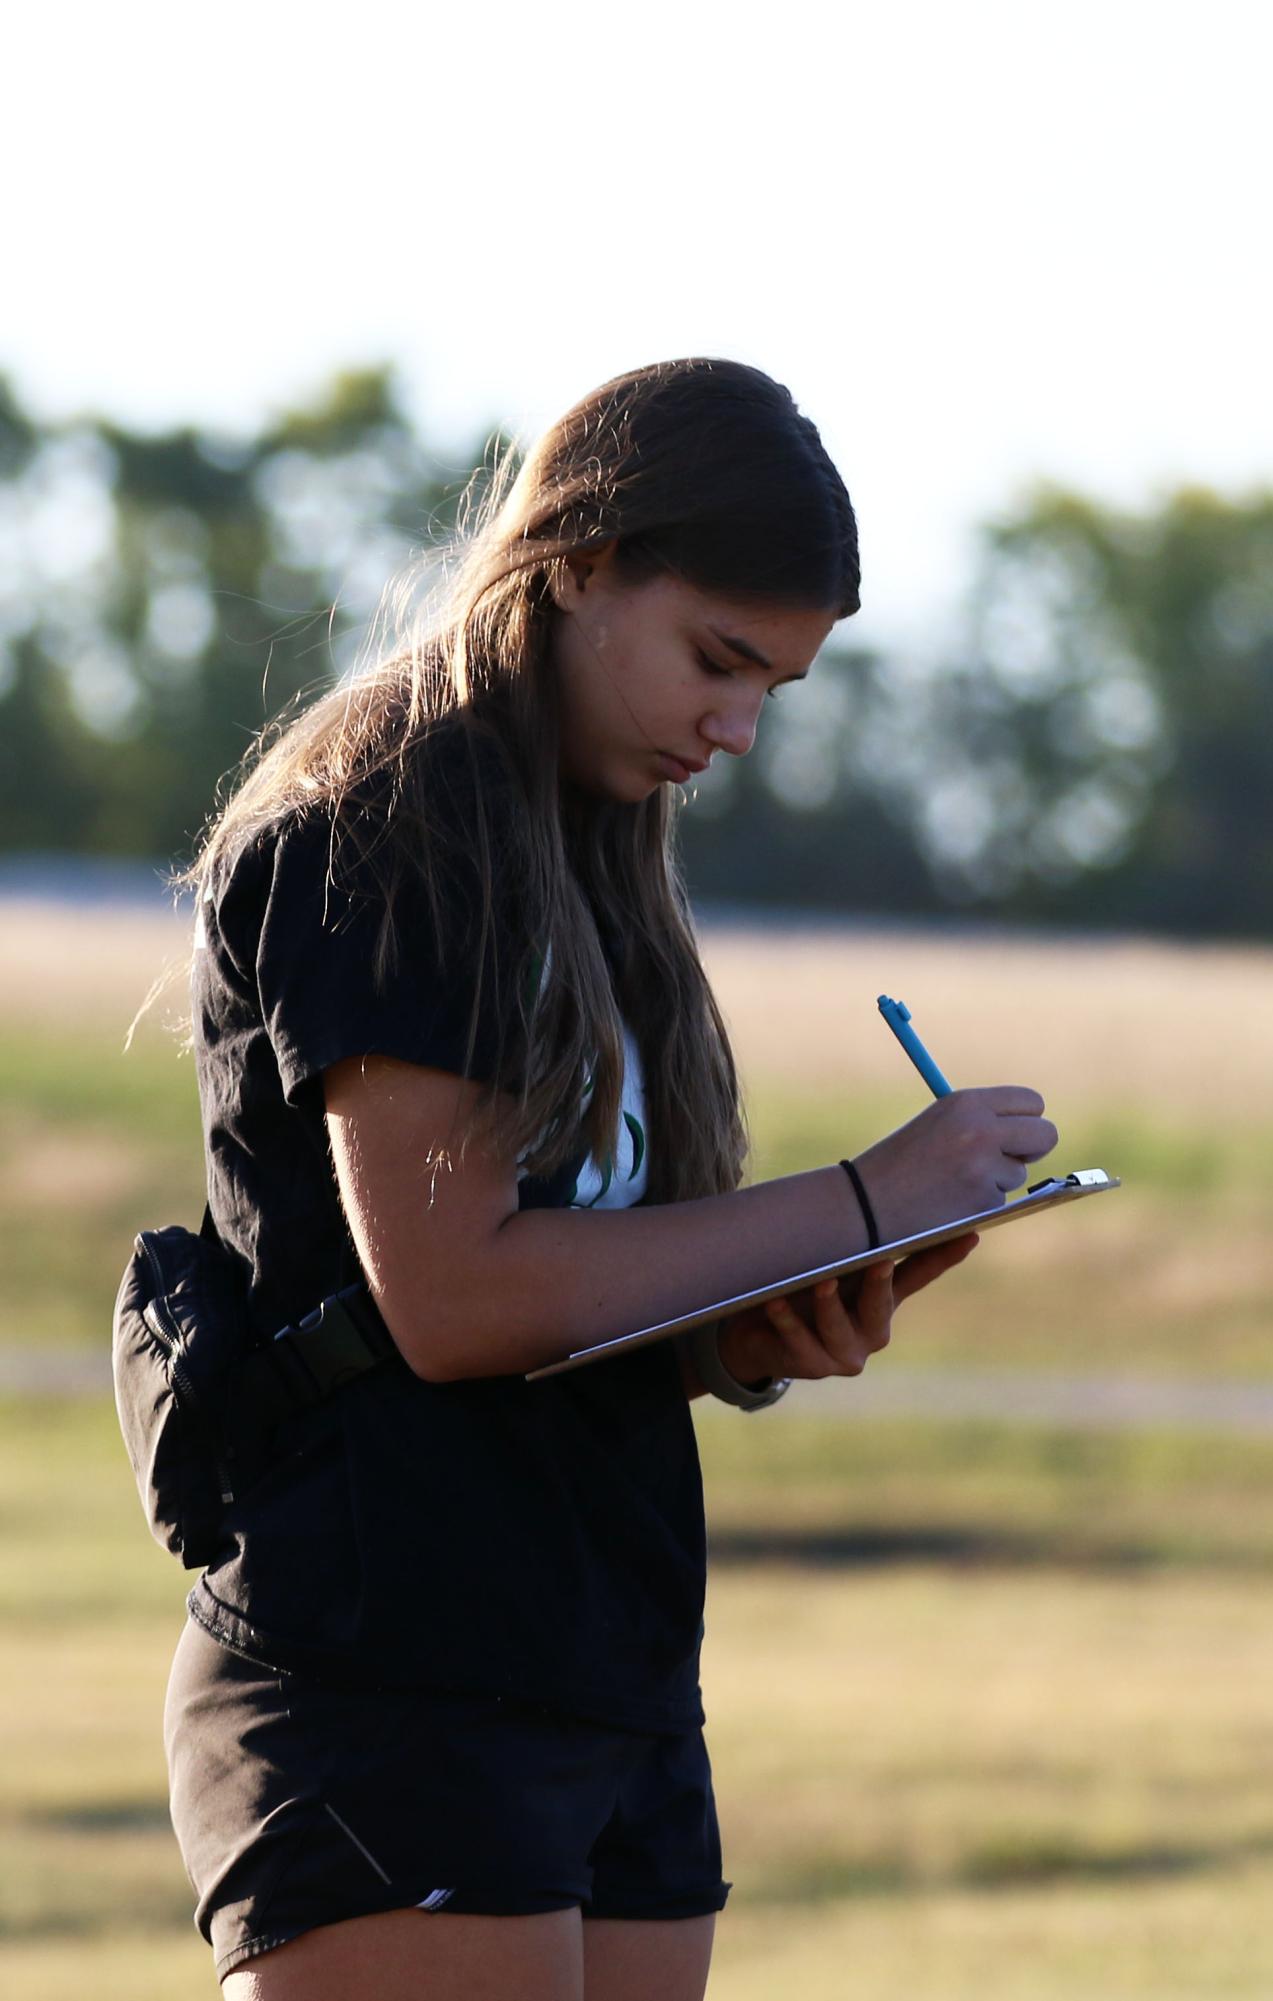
x: 681, y: 768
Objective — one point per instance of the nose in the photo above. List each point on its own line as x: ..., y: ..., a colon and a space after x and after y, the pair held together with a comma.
x: 732, y: 727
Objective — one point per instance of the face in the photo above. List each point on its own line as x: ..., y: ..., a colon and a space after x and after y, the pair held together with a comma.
x: 656, y: 677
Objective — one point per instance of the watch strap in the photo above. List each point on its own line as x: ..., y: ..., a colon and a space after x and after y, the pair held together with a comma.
x: 704, y: 1353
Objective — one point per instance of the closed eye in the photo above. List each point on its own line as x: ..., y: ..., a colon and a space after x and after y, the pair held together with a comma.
x: 710, y: 666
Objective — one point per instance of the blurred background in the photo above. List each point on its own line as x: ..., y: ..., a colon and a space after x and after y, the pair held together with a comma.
x: 987, y: 1669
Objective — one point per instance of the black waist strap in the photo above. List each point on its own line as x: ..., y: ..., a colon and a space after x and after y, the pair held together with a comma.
x: 342, y: 1338
x: 304, y: 1365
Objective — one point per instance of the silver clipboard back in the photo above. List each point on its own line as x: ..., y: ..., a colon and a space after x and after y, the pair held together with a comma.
x: 1050, y: 1194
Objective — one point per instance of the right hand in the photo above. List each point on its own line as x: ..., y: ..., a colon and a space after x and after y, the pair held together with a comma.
x: 964, y: 1153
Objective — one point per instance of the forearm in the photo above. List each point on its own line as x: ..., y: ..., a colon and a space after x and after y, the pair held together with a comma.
x: 548, y: 1281
x: 472, y: 1285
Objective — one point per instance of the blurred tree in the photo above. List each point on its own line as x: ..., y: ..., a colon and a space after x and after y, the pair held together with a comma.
x: 820, y: 813
x: 1099, y: 750
x: 165, y: 596
x: 1103, y: 750
x: 18, y: 435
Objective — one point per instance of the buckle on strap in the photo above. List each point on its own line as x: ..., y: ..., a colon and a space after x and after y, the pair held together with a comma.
x: 342, y: 1338
x: 303, y: 1365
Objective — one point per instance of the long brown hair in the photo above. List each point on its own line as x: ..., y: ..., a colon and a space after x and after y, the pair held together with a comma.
x: 702, y: 469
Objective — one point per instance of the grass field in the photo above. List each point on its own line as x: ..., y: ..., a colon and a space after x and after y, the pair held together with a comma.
x: 989, y: 1706
x: 1156, y: 1062
x: 1026, y: 1764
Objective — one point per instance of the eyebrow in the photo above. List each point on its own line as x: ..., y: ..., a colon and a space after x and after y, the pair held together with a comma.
x: 748, y: 652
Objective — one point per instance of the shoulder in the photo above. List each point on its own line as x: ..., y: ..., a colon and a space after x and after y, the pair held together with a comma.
x: 448, y: 822
x: 428, y: 849
x: 454, y: 778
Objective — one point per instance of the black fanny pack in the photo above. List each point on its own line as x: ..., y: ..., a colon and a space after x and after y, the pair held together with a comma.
x: 200, y: 1397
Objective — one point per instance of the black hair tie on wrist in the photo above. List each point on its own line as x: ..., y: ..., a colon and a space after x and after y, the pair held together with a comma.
x: 868, y: 1214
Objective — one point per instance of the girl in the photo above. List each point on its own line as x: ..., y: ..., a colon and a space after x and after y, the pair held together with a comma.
x: 434, y: 1726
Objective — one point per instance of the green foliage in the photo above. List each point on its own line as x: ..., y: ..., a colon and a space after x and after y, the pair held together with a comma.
x: 1096, y: 747
x: 18, y: 434
x: 803, y: 821
x: 1104, y: 750
x: 220, y: 584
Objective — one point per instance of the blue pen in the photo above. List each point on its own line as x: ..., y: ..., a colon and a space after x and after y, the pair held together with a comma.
x: 898, y: 1017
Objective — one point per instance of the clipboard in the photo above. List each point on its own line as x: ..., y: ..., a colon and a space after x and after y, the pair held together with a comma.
x: 1050, y: 1194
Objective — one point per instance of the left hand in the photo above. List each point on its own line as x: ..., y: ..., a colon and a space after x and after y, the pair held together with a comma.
x: 832, y: 1329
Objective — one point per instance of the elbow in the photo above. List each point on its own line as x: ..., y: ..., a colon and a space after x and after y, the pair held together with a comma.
x: 464, y: 1333
x: 457, y: 1319
x: 427, y: 1359
x: 433, y: 1351
x: 435, y: 1368
x: 427, y: 1368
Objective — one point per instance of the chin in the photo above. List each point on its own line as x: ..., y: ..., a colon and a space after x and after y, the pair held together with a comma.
x: 621, y: 788
x: 628, y: 795
x: 642, y: 789
x: 615, y: 784
x: 598, y: 792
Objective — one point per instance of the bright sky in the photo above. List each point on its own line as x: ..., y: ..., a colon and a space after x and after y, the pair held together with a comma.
x: 980, y: 243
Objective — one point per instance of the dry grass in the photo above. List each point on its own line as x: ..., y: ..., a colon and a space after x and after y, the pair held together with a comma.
x: 1155, y: 1059
x: 1086, y: 1022
x: 1015, y: 1783
x: 125, y: 1963
x: 93, y: 965
x: 955, y: 1785
x: 1031, y: 1785
x: 67, y: 1170
x: 1172, y: 1941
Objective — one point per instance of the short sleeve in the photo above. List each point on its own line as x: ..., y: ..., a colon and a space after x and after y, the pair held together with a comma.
x: 320, y: 997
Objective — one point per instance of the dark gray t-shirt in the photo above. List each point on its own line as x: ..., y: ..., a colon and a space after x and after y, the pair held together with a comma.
x: 541, y: 1540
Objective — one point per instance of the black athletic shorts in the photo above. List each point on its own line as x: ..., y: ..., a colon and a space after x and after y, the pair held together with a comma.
x: 297, y: 1804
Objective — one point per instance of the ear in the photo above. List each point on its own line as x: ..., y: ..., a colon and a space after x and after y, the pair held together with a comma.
x: 568, y: 580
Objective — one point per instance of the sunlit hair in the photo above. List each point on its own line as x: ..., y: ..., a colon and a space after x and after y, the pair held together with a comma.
x: 699, y: 469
